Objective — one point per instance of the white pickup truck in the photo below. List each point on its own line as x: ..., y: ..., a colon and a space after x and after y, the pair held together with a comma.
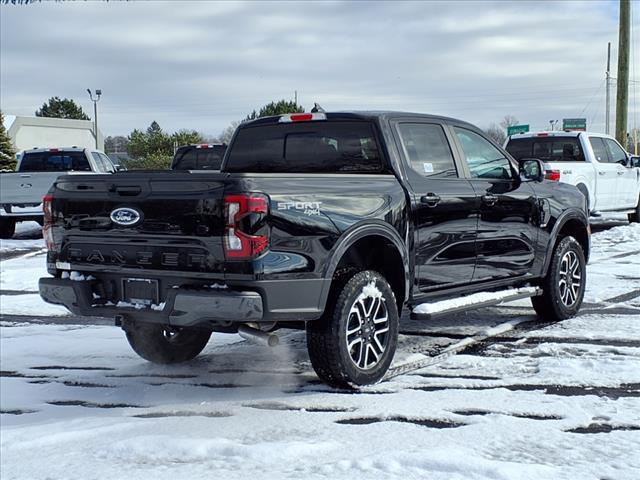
x: 21, y: 191
x: 603, y: 171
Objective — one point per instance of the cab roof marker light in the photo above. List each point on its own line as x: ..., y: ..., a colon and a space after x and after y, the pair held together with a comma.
x: 302, y: 117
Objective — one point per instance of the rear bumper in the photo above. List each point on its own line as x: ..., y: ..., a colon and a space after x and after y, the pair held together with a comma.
x: 182, y: 307
x: 259, y: 301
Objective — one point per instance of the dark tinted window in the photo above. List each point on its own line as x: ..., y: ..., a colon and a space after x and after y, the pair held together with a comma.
x: 427, y: 149
x: 54, y: 162
x: 484, y: 160
x: 547, y: 149
x: 306, y: 147
x: 194, y: 158
x: 599, y: 150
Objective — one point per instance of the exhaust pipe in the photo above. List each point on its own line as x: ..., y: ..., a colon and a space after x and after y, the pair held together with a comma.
x: 258, y: 336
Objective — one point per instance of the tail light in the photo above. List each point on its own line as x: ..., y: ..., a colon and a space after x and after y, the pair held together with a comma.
x: 47, y: 227
x: 553, y: 175
x: 240, y: 215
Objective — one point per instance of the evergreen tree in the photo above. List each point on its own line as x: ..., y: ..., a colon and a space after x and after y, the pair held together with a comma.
x: 137, y: 146
x: 186, y: 137
x: 276, y: 108
x: 7, y: 152
x: 61, y: 108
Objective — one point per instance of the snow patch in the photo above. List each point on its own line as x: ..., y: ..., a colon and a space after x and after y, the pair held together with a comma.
x: 77, y: 276
x: 370, y: 291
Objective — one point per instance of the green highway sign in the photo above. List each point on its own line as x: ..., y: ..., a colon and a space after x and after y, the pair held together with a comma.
x: 574, y: 124
x: 512, y: 130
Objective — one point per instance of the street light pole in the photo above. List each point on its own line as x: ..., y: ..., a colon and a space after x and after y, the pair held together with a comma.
x: 95, y: 112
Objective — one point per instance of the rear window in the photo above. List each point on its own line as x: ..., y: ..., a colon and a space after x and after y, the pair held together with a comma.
x: 548, y: 149
x: 307, y: 147
x: 54, y: 162
x: 193, y: 158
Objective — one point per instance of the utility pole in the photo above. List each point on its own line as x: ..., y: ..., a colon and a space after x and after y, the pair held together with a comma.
x: 622, y: 97
x: 295, y: 92
x: 608, y: 108
x: 95, y: 112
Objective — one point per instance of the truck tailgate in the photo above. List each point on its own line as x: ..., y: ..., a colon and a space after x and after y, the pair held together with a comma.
x: 159, y: 222
x: 25, y: 188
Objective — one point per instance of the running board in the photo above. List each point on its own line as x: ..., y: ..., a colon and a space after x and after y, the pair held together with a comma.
x: 428, y: 311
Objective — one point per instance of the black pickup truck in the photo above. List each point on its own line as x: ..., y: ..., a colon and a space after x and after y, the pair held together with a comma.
x: 331, y: 222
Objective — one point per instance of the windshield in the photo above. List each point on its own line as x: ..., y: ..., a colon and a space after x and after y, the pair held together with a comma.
x: 54, y: 162
x: 307, y: 147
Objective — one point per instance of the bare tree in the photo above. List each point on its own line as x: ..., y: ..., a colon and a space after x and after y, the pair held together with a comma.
x: 227, y: 133
x: 496, y: 134
x: 509, y: 121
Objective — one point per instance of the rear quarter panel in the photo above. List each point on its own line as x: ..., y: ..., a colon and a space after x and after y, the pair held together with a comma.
x: 310, y: 213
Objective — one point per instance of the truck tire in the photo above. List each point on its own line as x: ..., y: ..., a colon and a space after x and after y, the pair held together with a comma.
x: 563, y: 287
x: 355, y: 340
x: 162, y: 344
x: 635, y: 216
x: 7, y: 227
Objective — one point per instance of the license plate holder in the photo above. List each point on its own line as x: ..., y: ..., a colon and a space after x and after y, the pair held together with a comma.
x: 142, y: 291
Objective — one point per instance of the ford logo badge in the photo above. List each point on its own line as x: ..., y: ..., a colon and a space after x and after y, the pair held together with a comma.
x: 126, y: 217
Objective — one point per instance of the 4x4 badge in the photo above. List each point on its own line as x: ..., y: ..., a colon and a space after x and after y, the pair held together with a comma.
x: 125, y: 216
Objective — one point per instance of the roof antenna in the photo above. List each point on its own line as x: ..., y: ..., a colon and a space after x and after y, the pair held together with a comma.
x: 317, y: 108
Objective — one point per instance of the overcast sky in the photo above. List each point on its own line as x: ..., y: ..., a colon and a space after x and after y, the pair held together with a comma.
x: 200, y: 65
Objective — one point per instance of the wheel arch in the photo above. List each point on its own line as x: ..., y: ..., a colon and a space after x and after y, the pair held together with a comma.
x: 373, y: 246
x: 584, y: 189
x: 574, y: 223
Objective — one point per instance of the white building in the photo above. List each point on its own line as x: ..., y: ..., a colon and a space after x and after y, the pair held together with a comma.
x: 43, y: 132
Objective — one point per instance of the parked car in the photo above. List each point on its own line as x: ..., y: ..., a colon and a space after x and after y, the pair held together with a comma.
x: 333, y: 222
x: 597, y: 164
x: 21, y: 191
x: 203, y: 156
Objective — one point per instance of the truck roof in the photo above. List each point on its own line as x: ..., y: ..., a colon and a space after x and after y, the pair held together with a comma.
x: 557, y: 133
x: 369, y: 115
x: 62, y: 149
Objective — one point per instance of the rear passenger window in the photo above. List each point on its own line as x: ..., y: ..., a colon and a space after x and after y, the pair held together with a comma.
x: 427, y: 149
x: 599, y: 150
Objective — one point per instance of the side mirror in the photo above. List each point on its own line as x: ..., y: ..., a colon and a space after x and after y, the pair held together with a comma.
x: 531, y: 169
x: 120, y: 168
x: 634, y: 161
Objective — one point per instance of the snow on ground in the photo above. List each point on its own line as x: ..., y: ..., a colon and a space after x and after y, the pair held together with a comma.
x: 28, y: 236
x: 543, y: 401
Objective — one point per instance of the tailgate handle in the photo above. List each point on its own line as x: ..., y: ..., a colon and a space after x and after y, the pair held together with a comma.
x: 126, y: 191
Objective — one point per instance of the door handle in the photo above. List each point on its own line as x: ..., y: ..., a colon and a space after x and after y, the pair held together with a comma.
x: 489, y: 199
x: 430, y: 199
x: 601, y: 172
x: 620, y: 172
